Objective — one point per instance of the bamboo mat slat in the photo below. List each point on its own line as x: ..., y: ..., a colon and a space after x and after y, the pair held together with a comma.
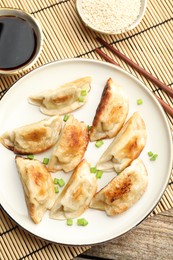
x: 150, y: 45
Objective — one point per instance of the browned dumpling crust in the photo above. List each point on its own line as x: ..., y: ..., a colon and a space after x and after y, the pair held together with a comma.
x: 111, y: 112
x: 71, y: 146
x: 123, y: 191
x: 33, y: 138
x: 126, y: 146
x: 77, y: 194
x: 37, y: 185
x: 64, y: 99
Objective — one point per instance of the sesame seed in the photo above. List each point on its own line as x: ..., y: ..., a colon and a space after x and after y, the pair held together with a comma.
x: 110, y: 15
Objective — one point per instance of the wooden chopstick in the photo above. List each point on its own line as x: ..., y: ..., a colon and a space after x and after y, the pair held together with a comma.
x: 135, y: 66
x: 165, y: 106
x: 106, y: 57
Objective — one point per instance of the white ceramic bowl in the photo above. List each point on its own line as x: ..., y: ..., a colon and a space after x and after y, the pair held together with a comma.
x: 35, y: 25
x: 93, y: 26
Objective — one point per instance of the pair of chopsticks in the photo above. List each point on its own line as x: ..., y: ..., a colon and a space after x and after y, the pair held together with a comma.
x: 142, y: 71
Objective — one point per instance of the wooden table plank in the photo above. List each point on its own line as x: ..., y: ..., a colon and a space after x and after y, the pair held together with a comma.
x: 152, y: 239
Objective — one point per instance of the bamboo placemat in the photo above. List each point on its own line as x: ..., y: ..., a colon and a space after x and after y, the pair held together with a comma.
x: 150, y: 45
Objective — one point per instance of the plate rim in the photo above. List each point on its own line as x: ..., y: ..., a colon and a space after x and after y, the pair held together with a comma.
x: 168, y: 130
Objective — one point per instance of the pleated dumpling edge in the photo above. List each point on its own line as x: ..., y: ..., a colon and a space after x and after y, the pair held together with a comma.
x: 63, y: 99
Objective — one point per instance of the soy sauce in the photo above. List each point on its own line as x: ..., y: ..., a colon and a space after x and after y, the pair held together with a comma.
x: 17, y: 42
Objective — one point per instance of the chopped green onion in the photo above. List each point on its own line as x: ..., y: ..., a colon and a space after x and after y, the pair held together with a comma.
x: 46, y: 160
x: 55, y: 181
x: 93, y: 170
x: 83, y: 93
x: 56, y: 189
x: 82, y: 222
x: 69, y: 222
x: 81, y: 99
x: 154, y: 157
x: 99, y: 174
x: 65, y: 118
x: 99, y: 143
x: 139, y: 101
x: 61, y: 182
x: 89, y: 127
x: 150, y: 153
x: 30, y: 156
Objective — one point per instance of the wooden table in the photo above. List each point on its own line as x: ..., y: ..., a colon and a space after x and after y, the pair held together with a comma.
x: 152, y: 239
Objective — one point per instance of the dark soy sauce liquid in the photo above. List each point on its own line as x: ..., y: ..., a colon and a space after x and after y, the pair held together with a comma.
x: 17, y: 42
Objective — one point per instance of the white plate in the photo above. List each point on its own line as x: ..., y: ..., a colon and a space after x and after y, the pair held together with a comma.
x: 16, y: 111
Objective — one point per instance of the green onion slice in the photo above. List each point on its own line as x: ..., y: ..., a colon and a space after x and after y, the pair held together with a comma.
x: 89, y: 127
x: 56, y: 189
x: 93, y: 170
x: 30, y: 156
x: 150, y: 153
x: 69, y: 222
x: 61, y: 182
x: 81, y: 99
x: 65, y: 118
x: 99, y: 143
x: 139, y: 101
x: 82, y: 222
x: 154, y: 157
x: 46, y: 160
x: 83, y: 93
x: 99, y: 174
x: 55, y: 181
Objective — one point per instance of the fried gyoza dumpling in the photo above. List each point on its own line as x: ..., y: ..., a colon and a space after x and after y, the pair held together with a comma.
x: 37, y: 185
x: 111, y: 112
x: 71, y: 146
x: 123, y: 191
x: 33, y: 138
x: 126, y: 146
x: 77, y: 194
x: 63, y: 99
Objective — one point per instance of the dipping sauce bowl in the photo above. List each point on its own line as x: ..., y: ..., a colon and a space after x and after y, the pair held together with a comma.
x: 21, y: 40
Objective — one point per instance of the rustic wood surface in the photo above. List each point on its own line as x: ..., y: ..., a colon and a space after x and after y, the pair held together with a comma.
x: 152, y: 239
